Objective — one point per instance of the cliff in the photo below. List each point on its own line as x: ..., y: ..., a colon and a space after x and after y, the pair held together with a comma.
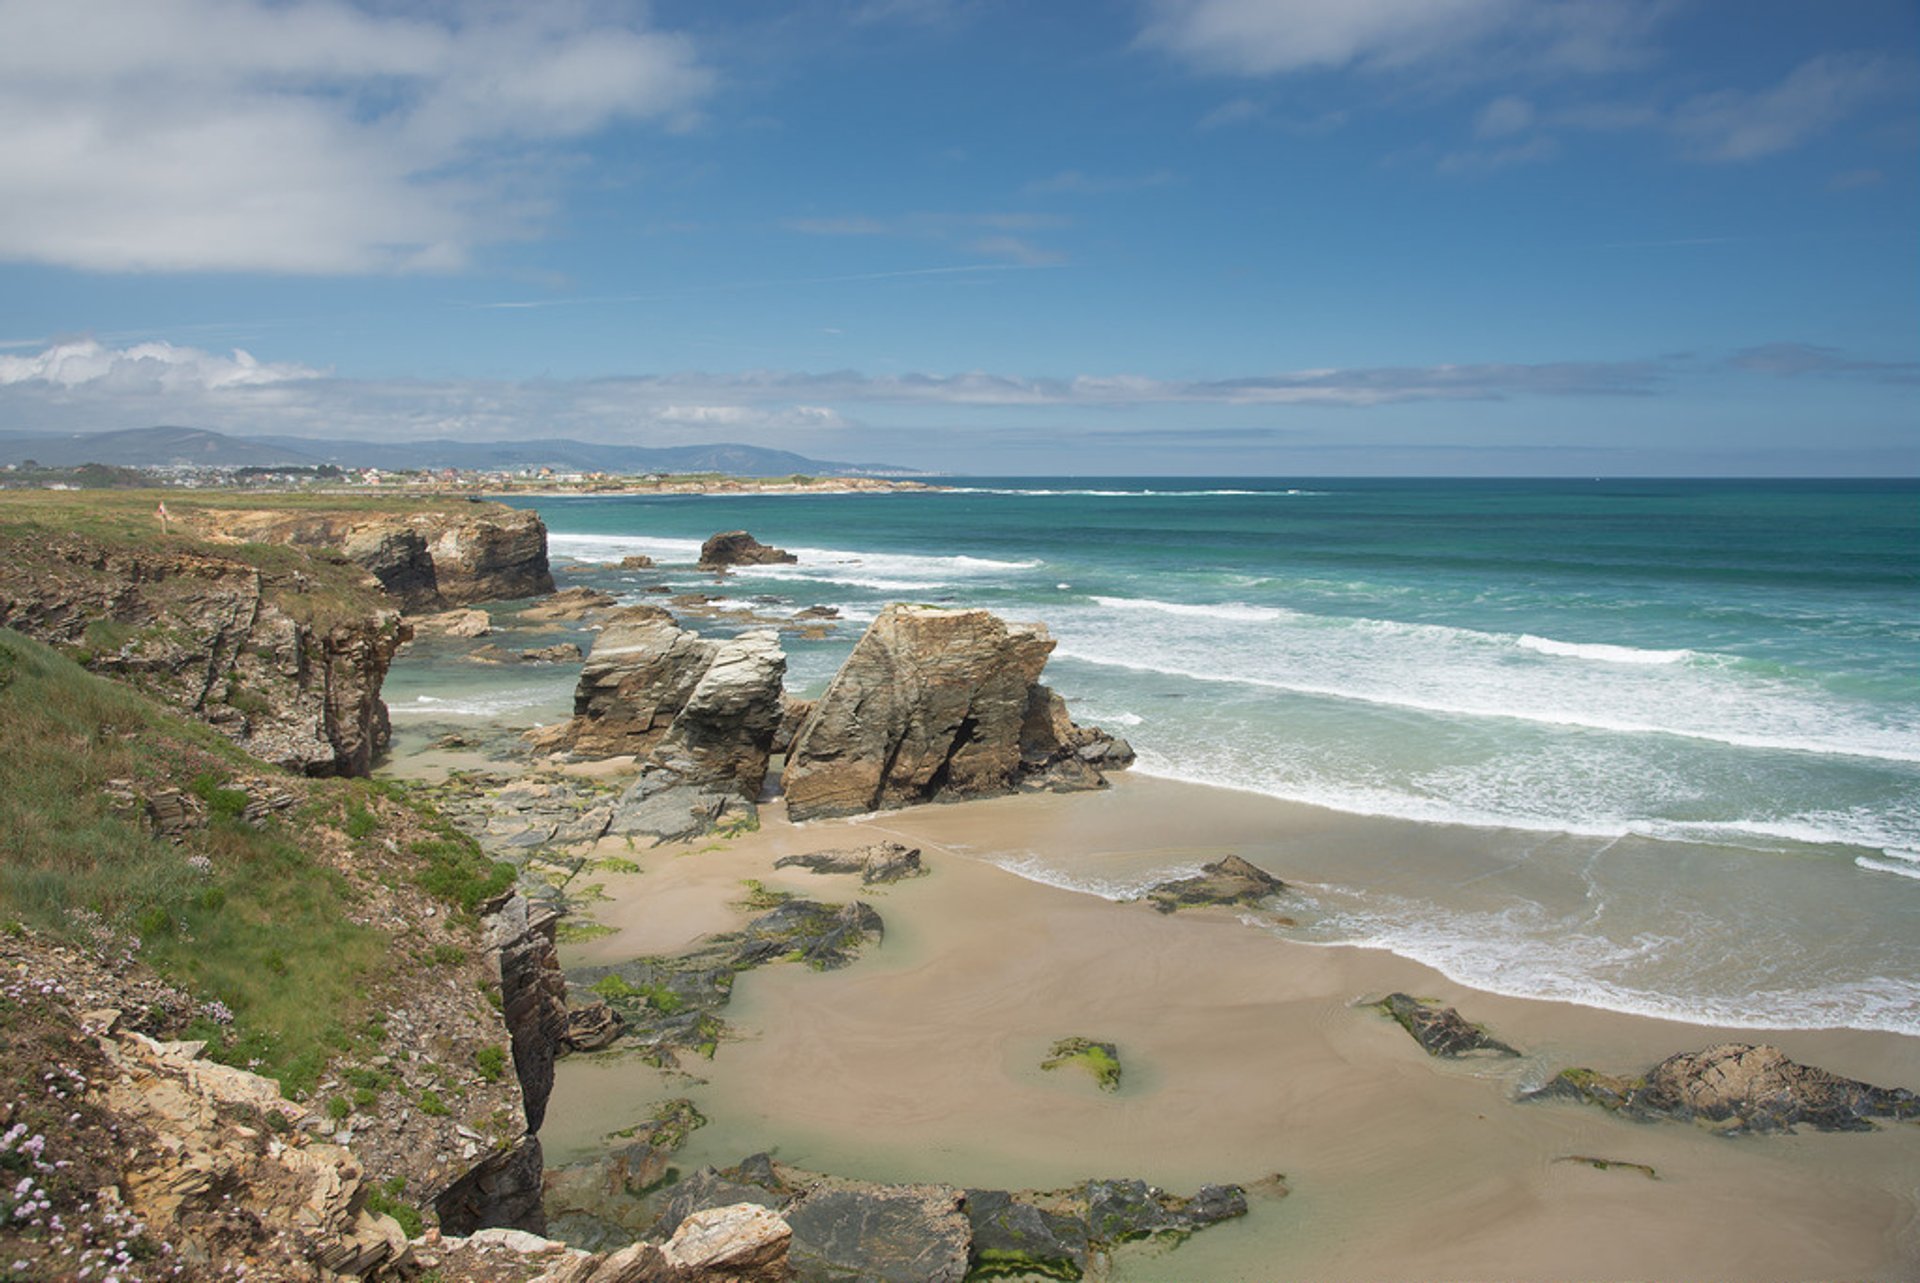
x: 284, y: 655
x: 428, y: 560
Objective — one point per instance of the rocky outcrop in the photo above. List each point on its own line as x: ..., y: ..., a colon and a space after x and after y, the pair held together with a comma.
x: 875, y: 862
x: 934, y: 705
x: 214, y: 1179
x: 569, y: 604
x: 1735, y: 1088
x: 637, y: 678
x: 1442, y: 1031
x: 738, y: 548
x: 707, y: 770
x: 844, y: 1230
x: 427, y: 560
x: 286, y: 662
x: 1231, y: 881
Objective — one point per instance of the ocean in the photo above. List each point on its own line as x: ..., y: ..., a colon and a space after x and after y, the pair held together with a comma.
x: 1648, y: 745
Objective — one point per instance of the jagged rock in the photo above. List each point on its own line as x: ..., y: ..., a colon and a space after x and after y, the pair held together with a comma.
x: 793, y: 715
x: 738, y: 548
x: 208, y: 1181
x: 635, y: 561
x: 533, y: 994
x: 932, y: 705
x: 878, y: 862
x: 569, y: 604
x: 502, y: 1190
x: 817, y: 612
x: 593, y: 1026
x: 498, y: 556
x: 724, y: 732
x: 882, y: 1233
x: 641, y: 671
x: 239, y: 648
x: 456, y: 623
x: 396, y: 554
x: 1229, y: 881
x: 1440, y: 1030
x: 1738, y: 1087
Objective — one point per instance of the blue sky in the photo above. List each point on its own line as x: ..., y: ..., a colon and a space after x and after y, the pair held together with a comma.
x: 1257, y: 236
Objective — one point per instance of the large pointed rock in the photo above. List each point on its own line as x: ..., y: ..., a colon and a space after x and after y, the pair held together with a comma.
x: 933, y: 705
x: 640, y: 674
x: 707, y: 770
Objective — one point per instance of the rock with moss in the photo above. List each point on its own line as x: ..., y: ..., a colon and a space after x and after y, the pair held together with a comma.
x: 1232, y: 881
x: 1101, y: 1059
x: 1442, y: 1031
x: 1012, y: 1238
x: 671, y: 1004
x: 1737, y: 1088
x: 875, y: 862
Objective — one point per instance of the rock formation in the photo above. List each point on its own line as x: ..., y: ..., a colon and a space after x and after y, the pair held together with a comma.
x: 428, y: 560
x: 1231, y: 881
x: 637, y: 678
x: 703, y: 714
x: 937, y: 705
x: 738, y: 548
x: 1738, y: 1087
x: 287, y: 663
x: 1442, y: 1031
x: 876, y: 862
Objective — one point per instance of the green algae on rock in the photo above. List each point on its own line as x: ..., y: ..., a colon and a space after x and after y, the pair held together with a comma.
x: 1101, y: 1059
x: 1440, y: 1030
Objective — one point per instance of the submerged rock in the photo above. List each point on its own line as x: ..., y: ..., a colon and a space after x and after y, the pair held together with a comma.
x: 876, y: 862
x: 1229, y: 881
x: 738, y: 548
x: 597, y: 1203
x: 568, y: 604
x: 934, y: 705
x: 671, y: 1004
x: 1440, y: 1030
x: 1738, y: 1087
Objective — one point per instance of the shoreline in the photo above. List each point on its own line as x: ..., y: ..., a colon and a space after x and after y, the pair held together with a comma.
x: 1245, y: 1056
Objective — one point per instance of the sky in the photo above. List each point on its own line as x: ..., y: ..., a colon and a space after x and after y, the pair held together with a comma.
x: 1256, y: 237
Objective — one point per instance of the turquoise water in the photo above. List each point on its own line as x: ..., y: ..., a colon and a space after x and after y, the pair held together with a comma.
x: 1655, y: 687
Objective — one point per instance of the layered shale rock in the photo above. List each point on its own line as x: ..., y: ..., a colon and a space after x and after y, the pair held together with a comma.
x: 639, y: 675
x: 938, y: 705
x: 738, y: 548
x: 708, y: 768
x: 286, y: 662
x: 1735, y: 1088
x: 1232, y: 881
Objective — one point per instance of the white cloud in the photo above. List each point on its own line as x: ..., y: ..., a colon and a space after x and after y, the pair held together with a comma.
x: 1504, y: 117
x: 152, y: 367
x: 1734, y: 125
x: 314, y: 136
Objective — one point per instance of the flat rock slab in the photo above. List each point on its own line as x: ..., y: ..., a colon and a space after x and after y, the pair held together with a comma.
x: 878, y: 862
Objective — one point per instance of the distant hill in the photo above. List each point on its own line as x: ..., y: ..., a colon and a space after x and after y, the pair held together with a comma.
x: 158, y: 447
x: 148, y: 448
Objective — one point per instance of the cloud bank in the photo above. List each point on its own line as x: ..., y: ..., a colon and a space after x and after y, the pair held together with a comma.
x: 314, y: 136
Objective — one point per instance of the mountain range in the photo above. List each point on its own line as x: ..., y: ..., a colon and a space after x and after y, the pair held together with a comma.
x: 168, y: 446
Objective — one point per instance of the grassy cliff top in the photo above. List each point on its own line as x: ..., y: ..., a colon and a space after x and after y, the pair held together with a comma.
x: 294, y: 913
x: 133, y: 514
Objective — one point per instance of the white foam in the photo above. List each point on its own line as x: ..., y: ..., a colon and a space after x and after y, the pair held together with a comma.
x: 596, y: 549
x: 497, y: 704
x: 1905, y: 869
x: 1236, y: 612
x: 1601, y: 651
x: 1034, y: 869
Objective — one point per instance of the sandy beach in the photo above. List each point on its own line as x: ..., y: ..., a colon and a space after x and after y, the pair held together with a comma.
x: 1245, y: 1056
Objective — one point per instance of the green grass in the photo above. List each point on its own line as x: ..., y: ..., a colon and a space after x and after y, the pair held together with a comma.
x: 242, y: 916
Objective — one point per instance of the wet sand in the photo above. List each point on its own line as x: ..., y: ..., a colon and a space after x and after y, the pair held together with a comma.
x: 1245, y: 1056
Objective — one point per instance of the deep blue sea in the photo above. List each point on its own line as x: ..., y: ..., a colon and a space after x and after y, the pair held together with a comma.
x: 1698, y: 701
